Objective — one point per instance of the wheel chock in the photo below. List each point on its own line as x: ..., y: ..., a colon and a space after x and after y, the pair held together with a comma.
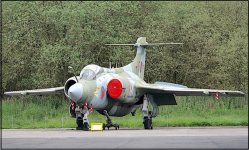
x: 96, y: 126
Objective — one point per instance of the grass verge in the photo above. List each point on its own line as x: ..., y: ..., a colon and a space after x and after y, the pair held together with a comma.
x: 52, y: 112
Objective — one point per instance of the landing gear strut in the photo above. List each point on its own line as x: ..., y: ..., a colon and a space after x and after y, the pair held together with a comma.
x: 81, y: 118
x: 147, y: 115
x: 109, y: 122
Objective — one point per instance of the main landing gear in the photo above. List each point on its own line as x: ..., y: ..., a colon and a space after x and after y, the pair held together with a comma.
x: 148, y: 121
x: 109, y: 122
x: 147, y: 115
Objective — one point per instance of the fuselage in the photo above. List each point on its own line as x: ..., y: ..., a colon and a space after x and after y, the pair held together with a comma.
x: 95, y: 90
x: 111, y: 89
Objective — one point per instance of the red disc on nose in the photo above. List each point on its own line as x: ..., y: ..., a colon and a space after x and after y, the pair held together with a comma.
x: 114, y: 88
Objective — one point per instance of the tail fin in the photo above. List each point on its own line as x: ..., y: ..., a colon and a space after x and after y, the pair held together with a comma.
x: 138, y: 64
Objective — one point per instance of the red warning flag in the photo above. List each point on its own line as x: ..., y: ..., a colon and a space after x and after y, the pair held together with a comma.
x: 72, y: 103
x: 91, y: 108
x: 217, y: 95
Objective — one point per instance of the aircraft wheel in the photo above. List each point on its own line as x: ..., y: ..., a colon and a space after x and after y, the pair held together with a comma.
x: 86, y: 126
x: 79, y: 123
x: 116, y: 127
x: 147, y: 123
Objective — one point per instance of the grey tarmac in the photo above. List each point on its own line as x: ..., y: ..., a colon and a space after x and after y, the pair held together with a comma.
x: 166, y: 137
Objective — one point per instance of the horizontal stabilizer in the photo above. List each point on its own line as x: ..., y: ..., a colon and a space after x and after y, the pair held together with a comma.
x: 120, y: 44
x: 142, y: 42
x: 158, y: 44
x: 148, y: 44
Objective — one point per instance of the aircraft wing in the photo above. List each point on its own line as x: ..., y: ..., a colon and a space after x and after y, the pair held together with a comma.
x: 180, y: 90
x: 36, y: 91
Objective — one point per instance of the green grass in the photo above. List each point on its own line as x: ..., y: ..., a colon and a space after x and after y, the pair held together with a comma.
x: 52, y: 112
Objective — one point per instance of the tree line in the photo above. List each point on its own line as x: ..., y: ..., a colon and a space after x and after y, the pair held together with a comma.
x: 41, y: 39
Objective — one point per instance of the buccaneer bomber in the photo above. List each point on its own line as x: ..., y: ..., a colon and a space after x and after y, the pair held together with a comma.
x: 120, y: 91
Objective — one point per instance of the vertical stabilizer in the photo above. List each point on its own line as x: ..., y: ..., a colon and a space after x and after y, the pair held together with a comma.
x: 138, y: 64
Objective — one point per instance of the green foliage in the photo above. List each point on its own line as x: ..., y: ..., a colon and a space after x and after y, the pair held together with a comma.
x: 41, y: 39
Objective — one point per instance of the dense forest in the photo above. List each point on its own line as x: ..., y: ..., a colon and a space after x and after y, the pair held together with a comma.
x: 41, y: 39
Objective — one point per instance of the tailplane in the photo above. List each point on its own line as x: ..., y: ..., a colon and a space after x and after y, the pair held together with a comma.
x: 138, y: 64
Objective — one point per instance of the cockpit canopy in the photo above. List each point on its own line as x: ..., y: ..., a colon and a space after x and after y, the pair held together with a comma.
x: 90, y: 72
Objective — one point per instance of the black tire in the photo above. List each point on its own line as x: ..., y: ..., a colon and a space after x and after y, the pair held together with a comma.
x: 79, y: 123
x: 151, y: 126
x: 147, y: 123
x: 86, y: 126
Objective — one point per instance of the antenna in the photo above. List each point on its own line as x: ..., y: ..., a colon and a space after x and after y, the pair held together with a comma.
x: 71, y: 69
x: 110, y: 65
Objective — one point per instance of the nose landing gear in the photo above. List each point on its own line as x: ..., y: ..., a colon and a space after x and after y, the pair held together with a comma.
x: 81, y: 119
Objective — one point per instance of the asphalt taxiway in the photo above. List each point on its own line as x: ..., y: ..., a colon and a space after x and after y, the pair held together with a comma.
x: 170, y: 137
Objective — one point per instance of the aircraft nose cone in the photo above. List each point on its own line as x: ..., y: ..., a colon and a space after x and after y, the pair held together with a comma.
x: 75, y: 92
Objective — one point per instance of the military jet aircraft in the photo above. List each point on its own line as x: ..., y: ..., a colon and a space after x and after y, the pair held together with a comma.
x: 120, y: 91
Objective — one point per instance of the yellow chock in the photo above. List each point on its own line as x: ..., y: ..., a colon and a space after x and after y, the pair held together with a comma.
x: 96, y: 126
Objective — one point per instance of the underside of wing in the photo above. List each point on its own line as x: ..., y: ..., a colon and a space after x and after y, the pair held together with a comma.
x: 184, y: 91
x: 47, y: 91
